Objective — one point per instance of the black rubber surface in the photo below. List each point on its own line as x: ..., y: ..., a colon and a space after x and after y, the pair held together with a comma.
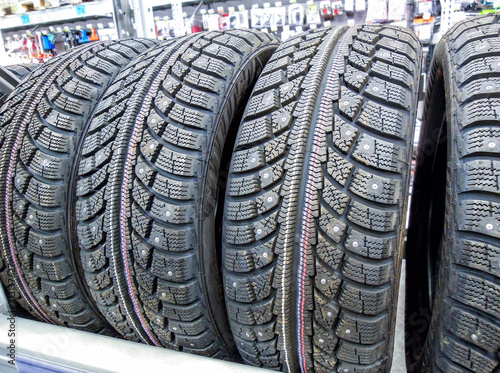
x: 11, y: 76
x: 21, y: 71
x: 316, y: 200
x: 147, y: 186
x: 453, y: 250
x: 40, y: 127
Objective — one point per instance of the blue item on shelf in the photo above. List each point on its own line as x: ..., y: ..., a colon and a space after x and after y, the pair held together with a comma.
x: 84, y: 38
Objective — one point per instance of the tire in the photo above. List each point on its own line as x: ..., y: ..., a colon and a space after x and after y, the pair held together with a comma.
x: 311, y: 250
x: 40, y: 127
x: 153, y: 269
x: 453, y: 248
x: 23, y: 70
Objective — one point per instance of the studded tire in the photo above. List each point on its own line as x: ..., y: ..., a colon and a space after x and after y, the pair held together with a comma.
x: 40, y: 127
x: 453, y: 249
x: 315, y: 203
x: 147, y: 189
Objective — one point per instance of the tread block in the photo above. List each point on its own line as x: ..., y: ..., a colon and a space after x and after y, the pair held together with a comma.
x: 354, y: 353
x: 249, y: 289
x: 474, y: 329
x: 375, y: 188
x: 468, y: 357
x: 367, y: 273
x: 378, y: 153
x: 479, y: 216
x: 364, y: 301
x: 480, y: 175
x: 372, y: 218
x: 384, y: 120
x: 477, y: 255
x: 477, y: 292
x: 362, y: 330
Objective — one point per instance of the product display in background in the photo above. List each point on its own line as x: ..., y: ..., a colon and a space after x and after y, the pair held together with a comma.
x: 210, y: 20
x: 312, y: 13
x: 396, y: 10
x: 296, y: 14
x: 272, y: 17
x: 325, y: 8
x: 377, y: 11
x: 42, y: 45
x: 257, y: 17
x: 361, y: 5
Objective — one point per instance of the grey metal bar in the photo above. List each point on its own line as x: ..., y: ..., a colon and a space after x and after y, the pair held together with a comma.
x: 124, y: 17
x: 92, y: 353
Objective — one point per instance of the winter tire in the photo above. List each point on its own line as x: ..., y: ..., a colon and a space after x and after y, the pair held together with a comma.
x: 315, y: 203
x: 147, y: 189
x: 453, y: 249
x: 40, y: 127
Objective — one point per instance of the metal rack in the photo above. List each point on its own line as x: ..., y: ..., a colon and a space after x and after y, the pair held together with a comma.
x: 44, y: 348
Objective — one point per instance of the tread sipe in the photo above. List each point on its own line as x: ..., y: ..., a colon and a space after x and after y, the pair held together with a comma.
x: 40, y: 127
x: 11, y: 76
x: 316, y: 198
x: 21, y: 71
x: 147, y: 189
x: 453, y: 249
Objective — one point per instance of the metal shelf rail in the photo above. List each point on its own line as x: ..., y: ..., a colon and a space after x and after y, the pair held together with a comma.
x: 46, y: 348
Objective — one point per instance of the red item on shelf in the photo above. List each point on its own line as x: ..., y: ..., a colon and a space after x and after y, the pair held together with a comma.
x: 196, y: 29
x: 94, y: 36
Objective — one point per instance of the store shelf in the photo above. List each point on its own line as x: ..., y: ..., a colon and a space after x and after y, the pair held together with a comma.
x: 45, y: 348
x: 61, y: 14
